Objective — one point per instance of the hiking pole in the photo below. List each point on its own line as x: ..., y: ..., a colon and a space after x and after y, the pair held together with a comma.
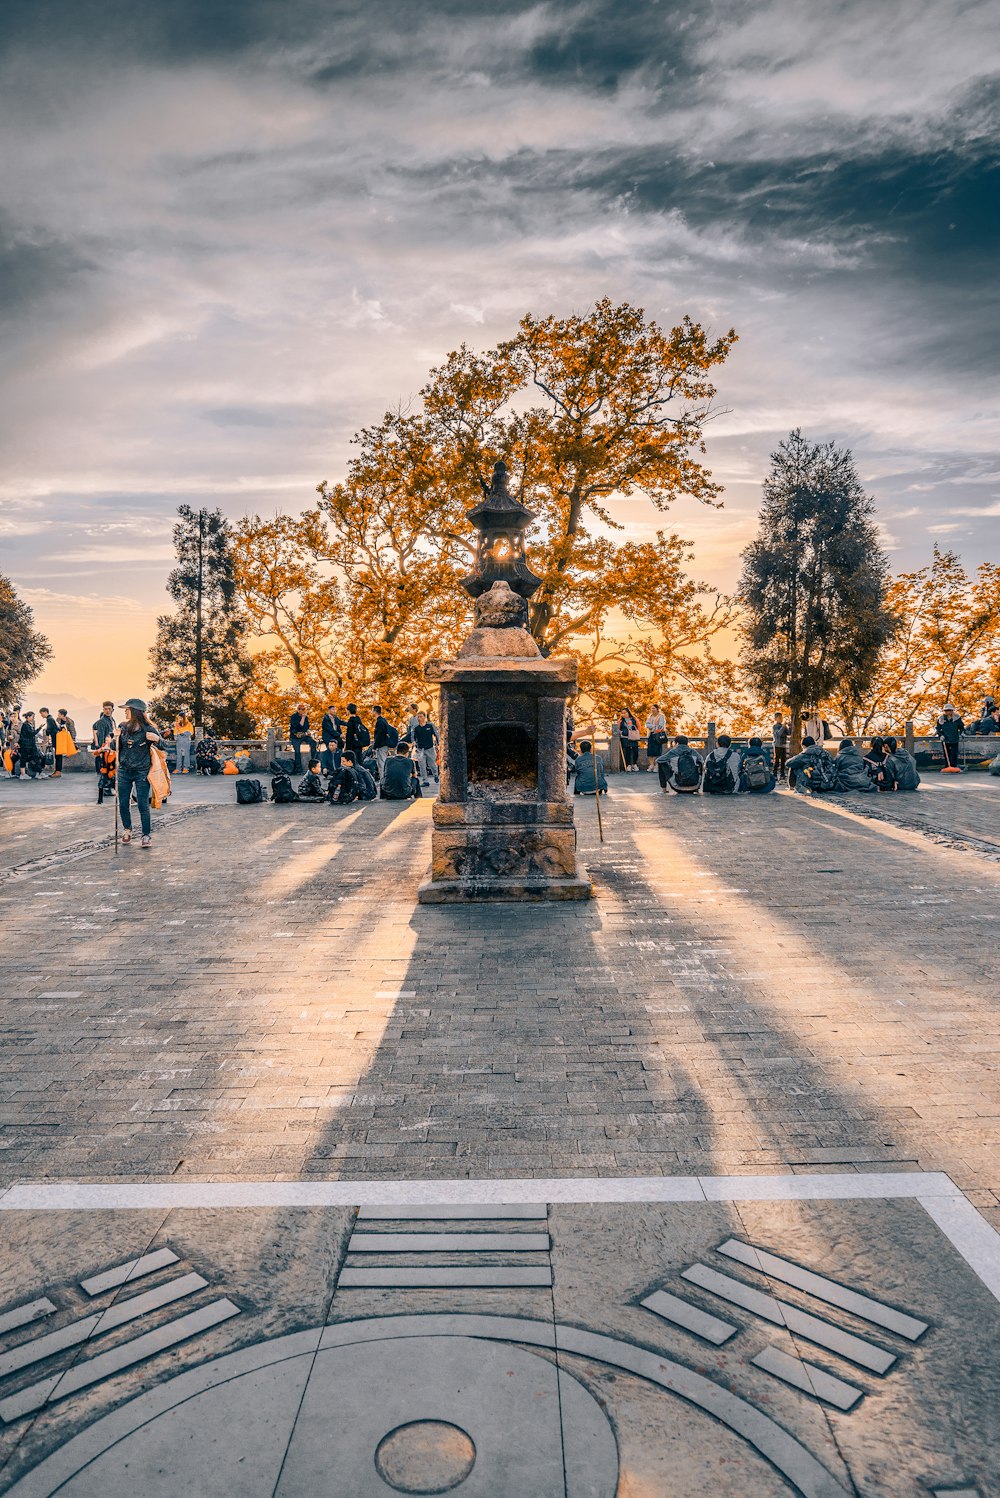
x: 114, y: 792
x: 597, y: 791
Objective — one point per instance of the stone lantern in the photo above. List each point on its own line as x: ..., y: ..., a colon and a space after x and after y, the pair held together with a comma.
x: 503, y: 823
x: 501, y: 521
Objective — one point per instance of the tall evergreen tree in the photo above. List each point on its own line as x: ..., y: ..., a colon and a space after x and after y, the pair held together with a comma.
x: 23, y: 650
x: 199, y: 659
x: 814, y: 582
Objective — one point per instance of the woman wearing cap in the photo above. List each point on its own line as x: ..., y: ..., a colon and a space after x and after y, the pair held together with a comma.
x: 134, y: 763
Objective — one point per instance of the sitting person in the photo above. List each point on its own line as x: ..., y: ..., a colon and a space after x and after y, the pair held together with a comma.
x: 366, y: 778
x: 900, y: 768
x: 343, y: 786
x: 875, y: 758
x: 589, y: 778
x: 851, y: 770
x: 722, y: 769
x: 679, y: 768
x: 311, y: 786
x: 206, y: 757
x: 399, y: 781
x: 756, y: 775
x: 812, y: 772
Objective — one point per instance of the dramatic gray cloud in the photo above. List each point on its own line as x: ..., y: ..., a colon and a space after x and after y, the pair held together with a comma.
x: 230, y: 233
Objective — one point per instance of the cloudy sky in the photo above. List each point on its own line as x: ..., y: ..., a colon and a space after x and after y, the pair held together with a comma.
x: 232, y: 231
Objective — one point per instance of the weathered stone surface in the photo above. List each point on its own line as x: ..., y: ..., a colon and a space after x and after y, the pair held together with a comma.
x: 503, y: 852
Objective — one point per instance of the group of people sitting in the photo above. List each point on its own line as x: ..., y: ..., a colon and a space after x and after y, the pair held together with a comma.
x: 359, y: 779
x: 729, y: 770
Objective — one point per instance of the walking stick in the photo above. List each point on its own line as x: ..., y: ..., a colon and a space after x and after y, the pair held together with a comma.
x: 114, y: 792
x: 597, y: 792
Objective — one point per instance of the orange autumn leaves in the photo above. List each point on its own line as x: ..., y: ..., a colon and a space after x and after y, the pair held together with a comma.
x: 350, y: 598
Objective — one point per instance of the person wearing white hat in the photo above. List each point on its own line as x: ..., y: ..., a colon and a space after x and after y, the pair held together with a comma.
x: 949, y: 730
x: 134, y: 764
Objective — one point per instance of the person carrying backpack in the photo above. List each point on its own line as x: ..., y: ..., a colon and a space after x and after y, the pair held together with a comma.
x: 851, y: 769
x: 756, y: 775
x: 356, y: 735
x: 722, y: 769
x: 812, y: 772
x: 680, y: 768
x: 385, y: 740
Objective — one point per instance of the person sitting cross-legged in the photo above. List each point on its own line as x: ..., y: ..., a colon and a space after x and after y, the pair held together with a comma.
x: 399, y: 781
x: 756, y: 775
x: 813, y: 772
x: 722, y: 769
x: 852, y: 772
x: 310, y: 787
x: 680, y: 768
x: 588, y: 772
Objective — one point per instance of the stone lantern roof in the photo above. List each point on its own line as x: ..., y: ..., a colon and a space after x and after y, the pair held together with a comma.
x: 501, y: 521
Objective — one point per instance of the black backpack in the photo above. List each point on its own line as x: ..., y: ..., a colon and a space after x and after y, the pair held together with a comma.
x: 686, y: 772
x: 391, y: 736
x: 362, y: 737
x: 821, y: 775
x: 249, y: 792
x: 282, y: 790
x: 718, y: 776
x: 756, y: 772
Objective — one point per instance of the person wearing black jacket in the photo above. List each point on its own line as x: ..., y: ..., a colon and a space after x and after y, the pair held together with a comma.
x: 28, y: 757
x: 949, y: 730
x: 344, y: 785
x: 135, y: 736
x: 333, y: 741
x: 298, y: 733
x: 399, y: 782
x: 381, y: 739
x: 51, y: 729
x: 354, y: 732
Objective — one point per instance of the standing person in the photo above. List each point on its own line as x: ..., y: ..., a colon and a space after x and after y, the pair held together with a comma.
x: 299, y: 735
x: 332, y: 736
x: 780, y: 732
x: 28, y: 760
x: 656, y: 736
x: 49, y: 728
x: 722, y: 769
x: 628, y: 728
x: 949, y: 730
x: 812, y: 726
x: 356, y: 735
x: 103, y: 735
x: 64, y: 742
x: 413, y: 714
x: 383, y: 740
x: 425, y: 736
x: 183, y: 735
x: 134, y: 764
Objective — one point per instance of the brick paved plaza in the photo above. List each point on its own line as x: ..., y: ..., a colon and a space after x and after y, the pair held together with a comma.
x: 774, y: 1026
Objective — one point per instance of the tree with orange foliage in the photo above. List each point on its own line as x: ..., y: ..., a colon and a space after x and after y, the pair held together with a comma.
x: 946, y: 649
x: 585, y: 410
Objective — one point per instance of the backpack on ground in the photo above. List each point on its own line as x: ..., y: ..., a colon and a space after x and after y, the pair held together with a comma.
x: 249, y: 792
x: 719, y: 780
x: 821, y: 775
x: 756, y: 772
x: 282, y: 790
x: 686, y: 771
x: 362, y: 737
